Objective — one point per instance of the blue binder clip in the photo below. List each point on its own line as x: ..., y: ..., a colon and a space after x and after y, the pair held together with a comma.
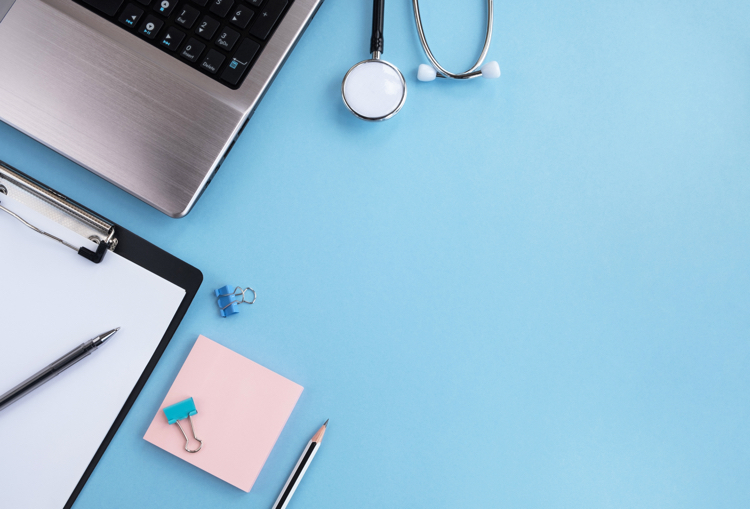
x: 185, y: 409
x: 227, y: 299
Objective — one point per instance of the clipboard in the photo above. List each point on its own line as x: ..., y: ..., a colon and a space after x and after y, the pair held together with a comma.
x: 109, y: 237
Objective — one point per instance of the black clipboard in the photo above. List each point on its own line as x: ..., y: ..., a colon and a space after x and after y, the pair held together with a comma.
x: 111, y: 237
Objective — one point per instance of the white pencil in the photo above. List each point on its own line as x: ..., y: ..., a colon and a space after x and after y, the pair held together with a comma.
x: 300, y: 468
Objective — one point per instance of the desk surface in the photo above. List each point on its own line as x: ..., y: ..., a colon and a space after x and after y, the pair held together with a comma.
x: 531, y: 292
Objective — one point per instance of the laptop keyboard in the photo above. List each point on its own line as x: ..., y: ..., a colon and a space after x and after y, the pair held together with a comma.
x: 220, y: 38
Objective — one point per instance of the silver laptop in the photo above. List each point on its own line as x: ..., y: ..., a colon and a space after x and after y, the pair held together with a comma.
x: 148, y: 94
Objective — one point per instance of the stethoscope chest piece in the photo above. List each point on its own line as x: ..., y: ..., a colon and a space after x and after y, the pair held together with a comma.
x: 374, y: 90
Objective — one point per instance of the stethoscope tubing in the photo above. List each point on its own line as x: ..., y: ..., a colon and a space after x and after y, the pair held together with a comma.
x: 473, y: 72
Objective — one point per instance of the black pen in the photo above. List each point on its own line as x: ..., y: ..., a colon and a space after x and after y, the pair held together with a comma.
x: 54, y: 369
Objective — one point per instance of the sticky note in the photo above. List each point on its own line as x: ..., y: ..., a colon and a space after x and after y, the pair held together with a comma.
x: 243, y: 408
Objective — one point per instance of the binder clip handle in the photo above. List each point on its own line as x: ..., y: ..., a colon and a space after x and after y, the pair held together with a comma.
x: 227, y: 299
x: 185, y: 409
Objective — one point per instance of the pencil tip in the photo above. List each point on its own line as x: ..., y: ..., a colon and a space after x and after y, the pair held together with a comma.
x: 325, y: 424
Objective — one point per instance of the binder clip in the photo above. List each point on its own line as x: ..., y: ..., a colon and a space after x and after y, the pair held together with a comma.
x: 185, y: 409
x: 227, y: 299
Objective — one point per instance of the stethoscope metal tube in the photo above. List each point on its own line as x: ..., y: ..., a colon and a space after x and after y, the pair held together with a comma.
x: 492, y: 70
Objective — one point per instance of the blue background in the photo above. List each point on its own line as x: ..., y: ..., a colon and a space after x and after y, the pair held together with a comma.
x: 528, y: 292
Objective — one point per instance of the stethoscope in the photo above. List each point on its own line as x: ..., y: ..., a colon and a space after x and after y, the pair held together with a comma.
x: 376, y: 90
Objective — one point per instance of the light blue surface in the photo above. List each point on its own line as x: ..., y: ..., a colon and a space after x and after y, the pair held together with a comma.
x: 531, y: 292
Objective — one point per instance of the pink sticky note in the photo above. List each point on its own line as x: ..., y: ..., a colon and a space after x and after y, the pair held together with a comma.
x: 242, y: 408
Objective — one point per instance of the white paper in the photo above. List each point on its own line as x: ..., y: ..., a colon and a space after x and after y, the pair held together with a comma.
x: 52, y: 300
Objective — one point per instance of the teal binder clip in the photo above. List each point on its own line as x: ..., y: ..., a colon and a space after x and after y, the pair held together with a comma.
x: 185, y: 409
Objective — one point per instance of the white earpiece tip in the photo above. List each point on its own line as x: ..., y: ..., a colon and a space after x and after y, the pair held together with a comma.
x: 426, y: 73
x: 491, y: 70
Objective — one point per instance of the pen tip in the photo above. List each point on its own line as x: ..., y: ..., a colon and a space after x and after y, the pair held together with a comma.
x: 325, y: 424
x: 104, y: 337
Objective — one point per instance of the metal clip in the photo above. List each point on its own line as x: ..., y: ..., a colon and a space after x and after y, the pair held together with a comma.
x: 94, y: 256
x: 225, y: 299
x: 185, y: 409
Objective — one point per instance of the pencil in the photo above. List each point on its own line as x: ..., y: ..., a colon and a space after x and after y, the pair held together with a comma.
x: 300, y: 468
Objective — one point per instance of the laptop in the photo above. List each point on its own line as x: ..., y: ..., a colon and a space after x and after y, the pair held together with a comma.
x: 148, y: 94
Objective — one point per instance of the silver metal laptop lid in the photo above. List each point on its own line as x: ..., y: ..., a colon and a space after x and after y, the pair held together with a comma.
x: 5, y: 6
x: 121, y: 108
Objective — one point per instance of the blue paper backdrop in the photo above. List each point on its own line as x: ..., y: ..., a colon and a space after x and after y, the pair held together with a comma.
x: 531, y: 292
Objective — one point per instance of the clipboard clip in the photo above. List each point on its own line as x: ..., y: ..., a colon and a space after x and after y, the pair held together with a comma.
x: 94, y: 256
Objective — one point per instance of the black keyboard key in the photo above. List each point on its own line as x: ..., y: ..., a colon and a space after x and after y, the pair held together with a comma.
x: 172, y: 39
x: 108, y: 7
x: 144, y: 2
x: 165, y: 7
x: 130, y: 15
x: 202, y: 3
x: 227, y: 38
x: 221, y: 7
x: 256, y: 3
x: 241, y: 16
x: 267, y: 18
x: 207, y: 27
x: 192, y: 50
x: 151, y: 26
x: 187, y: 16
x: 213, y: 61
x: 241, y: 61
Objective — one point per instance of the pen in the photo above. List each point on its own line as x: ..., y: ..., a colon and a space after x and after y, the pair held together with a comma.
x: 300, y: 468
x: 54, y: 369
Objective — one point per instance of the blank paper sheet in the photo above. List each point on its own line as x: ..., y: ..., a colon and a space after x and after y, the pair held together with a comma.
x: 52, y: 300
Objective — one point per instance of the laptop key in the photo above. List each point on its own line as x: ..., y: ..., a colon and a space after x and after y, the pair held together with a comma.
x: 151, y: 26
x: 108, y: 7
x: 165, y: 7
x: 240, y: 62
x: 207, y: 27
x: 187, y: 16
x: 192, y: 50
x: 267, y: 18
x: 227, y: 38
x: 130, y: 15
x: 213, y: 61
x: 220, y: 7
x: 172, y: 39
x: 241, y: 16
x: 221, y: 38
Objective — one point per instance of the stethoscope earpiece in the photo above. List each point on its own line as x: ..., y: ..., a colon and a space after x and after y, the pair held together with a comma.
x: 426, y: 73
x: 490, y: 70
